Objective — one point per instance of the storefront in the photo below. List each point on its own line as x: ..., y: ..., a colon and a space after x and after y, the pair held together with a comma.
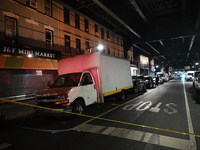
x: 24, y: 71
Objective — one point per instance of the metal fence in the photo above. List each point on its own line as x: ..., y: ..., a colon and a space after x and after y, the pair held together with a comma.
x: 23, y: 83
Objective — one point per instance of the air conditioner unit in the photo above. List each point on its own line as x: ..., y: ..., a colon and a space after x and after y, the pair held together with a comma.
x: 33, y: 3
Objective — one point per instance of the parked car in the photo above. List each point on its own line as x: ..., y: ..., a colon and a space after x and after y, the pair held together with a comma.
x: 149, y: 82
x: 198, y: 85
x: 196, y: 81
x: 160, y: 79
x: 171, y: 77
x: 189, y: 76
x: 139, y: 84
x: 161, y: 76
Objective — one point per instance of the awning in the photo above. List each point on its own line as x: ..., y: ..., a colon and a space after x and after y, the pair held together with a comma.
x: 20, y: 62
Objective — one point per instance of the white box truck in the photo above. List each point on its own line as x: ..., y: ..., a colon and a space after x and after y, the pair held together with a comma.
x: 84, y: 80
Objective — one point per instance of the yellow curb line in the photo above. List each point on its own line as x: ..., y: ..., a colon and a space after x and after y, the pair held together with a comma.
x: 110, y: 120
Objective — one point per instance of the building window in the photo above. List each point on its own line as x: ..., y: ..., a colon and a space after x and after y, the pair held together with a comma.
x: 102, y: 33
x: 96, y: 28
x: 49, y: 39
x: 108, y: 35
x: 67, y: 44
x: 78, y: 46
x: 11, y: 30
x: 86, y: 25
x: 48, y: 7
x: 66, y: 15
x: 77, y: 21
x: 87, y: 45
x: 108, y: 50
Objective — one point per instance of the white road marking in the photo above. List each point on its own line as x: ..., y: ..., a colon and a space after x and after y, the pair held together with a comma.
x: 149, y: 138
x: 172, y: 111
x: 156, y: 108
x: 135, y: 135
x: 4, y: 145
x: 189, y: 121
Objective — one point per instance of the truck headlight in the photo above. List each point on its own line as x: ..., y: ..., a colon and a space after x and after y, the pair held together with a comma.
x: 61, y: 99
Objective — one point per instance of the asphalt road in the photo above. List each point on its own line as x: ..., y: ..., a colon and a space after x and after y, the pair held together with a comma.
x: 163, y: 118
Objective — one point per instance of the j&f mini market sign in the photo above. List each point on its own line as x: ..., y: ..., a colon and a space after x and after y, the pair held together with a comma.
x: 20, y: 51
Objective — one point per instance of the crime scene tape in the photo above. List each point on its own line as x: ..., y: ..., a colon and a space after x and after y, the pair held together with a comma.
x: 99, y: 118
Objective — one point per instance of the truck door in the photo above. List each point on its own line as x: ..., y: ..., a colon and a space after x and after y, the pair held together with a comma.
x: 88, y: 88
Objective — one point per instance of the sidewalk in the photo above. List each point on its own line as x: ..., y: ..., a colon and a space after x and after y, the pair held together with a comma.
x: 13, y: 111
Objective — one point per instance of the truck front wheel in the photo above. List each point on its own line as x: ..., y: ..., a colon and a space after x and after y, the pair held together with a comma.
x: 78, y: 107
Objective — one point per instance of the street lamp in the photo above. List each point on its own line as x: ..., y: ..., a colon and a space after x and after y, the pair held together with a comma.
x: 100, y: 47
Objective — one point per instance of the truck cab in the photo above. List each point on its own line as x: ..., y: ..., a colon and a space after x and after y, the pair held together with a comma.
x: 69, y: 92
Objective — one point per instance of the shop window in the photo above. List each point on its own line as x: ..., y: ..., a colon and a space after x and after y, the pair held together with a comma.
x: 48, y: 7
x: 66, y: 15
x: 77, y: 21
x: 49, y: 39
x: 86, y: 25
x: 78, y: 46
x: 11, y: 30
x: 67, y: 44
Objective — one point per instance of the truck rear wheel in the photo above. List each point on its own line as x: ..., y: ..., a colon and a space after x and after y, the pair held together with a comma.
x: 135, y: 89
x: 121, y: 96
x: 78, y: 107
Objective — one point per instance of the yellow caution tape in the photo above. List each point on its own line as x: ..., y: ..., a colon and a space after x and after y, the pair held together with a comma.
x: 93, y: 117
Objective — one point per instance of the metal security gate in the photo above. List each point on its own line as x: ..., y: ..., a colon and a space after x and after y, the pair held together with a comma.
x: 21, y: 84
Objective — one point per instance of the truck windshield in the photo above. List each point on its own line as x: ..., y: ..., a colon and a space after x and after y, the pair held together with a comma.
x: 67, y: 80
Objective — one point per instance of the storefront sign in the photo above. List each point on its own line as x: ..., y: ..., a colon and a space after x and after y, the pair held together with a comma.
x: 26, y: 52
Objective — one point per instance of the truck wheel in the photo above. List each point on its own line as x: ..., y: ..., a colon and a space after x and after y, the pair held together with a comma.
x: 78, y: 107
x: 121, y: 96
